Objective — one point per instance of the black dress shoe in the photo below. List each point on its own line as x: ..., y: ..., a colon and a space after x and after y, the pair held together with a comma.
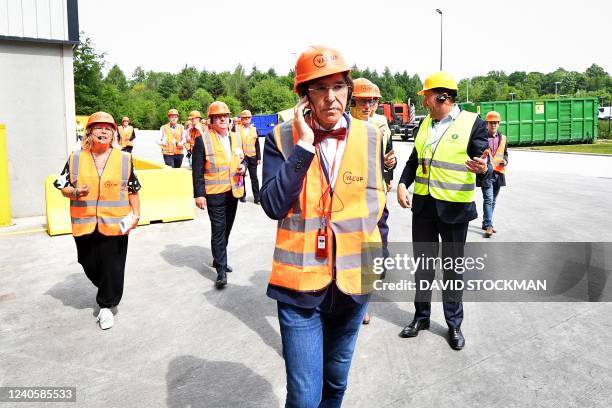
x: 456, y: 339
x: 221, y: 281
x: 412, y: 330
x: 243, y: 199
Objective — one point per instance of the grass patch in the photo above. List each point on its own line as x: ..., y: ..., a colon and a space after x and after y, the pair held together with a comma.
x: 599, y: 147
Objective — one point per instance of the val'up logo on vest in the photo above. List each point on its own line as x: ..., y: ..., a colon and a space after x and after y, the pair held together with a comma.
x: 348, y: 178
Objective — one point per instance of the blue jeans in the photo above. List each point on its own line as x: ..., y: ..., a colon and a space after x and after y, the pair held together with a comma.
x: 489, y: 195
x: 318, y: 347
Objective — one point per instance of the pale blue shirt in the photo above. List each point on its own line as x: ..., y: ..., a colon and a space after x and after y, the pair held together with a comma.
x: 438, y: 129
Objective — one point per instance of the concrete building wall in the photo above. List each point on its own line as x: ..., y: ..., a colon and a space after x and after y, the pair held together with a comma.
x: 37, y: 107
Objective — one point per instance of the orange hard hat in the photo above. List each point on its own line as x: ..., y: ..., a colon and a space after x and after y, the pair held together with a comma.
x: 195, y: 114
x: 123, y: 119
x: 316, y: 62
x: 363, y: 88
x: 218, y: 108
x: 246, y: 114
x: 377, y: 91
x: 493, y: 117
x: 173, y: 112
x: 101, y: 117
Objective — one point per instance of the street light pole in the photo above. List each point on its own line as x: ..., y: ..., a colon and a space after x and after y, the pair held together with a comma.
x: 440, y: 13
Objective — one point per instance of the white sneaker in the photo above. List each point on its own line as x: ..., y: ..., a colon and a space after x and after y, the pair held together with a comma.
x: 106, y: 319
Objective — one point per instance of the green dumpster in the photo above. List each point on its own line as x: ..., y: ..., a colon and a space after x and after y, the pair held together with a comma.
x: 546, y: 121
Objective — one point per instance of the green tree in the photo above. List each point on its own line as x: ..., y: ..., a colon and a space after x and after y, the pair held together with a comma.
x: 116, y: 77
x: 87, y: 68
x: 167, y: 86
x: 270, y: 96
x: 232, y: 103
x: 188, y: 82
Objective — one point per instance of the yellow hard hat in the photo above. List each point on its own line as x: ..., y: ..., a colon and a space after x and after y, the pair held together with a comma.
x: 439, y: 79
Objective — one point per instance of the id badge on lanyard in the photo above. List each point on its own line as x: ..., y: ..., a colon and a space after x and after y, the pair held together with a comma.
x: 321, y: 244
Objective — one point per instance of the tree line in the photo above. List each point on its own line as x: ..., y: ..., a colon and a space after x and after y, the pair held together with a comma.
x: 146, y: 96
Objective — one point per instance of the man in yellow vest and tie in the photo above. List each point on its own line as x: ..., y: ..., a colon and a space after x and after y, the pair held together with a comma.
x: 127, y: 134
x: 323, y: 182
x: 218, y: 169
x: 250, y: 145
x: 172, y: 140
x: 447, y: 155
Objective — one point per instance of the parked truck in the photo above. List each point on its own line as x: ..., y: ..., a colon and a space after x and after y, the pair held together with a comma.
x: 400, y: 117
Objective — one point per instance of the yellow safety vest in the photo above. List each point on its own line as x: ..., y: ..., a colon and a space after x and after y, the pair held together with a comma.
x: 107, y: 202
x: 220, y: 171
x: 248, y: 138
x: 353, y: 211
x: 446, y: 177
x: 125, y: 134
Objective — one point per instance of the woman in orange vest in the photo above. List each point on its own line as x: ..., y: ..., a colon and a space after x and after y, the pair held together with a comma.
x: 218, y: 181
x: 100, y: 182
x: 127, y: 134
x: 323, y: 182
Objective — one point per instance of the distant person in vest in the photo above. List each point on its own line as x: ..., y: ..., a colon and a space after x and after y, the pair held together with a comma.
x: 363, y: 107
x: 382, y: 123
x: 218, y: 182
x: 498, y: 154
x: 100, y: 182
x: 195, y: 129
x: 127, y: 134
x: 322, y: 181
x: 250, y: 146
x: 448, y: 151
x: 172, y: 140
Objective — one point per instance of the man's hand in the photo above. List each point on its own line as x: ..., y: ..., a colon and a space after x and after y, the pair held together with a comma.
x: 200, y: 203
x: 82, y: 191
x: 390, y: 159
x: 304, y: 131
x: 402, y: 196
x: 258, y: 162
x: 241, y: 169
x: 477, y: 165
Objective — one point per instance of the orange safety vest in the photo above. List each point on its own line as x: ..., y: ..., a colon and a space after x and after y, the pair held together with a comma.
x: 248, y: 140
x: 498, y: 159
x: 107, y: 201
x: 124, y: 135
x: 193, y: 134
x: 173, y: 137
x: 354, y: 209
x: 219, y: 171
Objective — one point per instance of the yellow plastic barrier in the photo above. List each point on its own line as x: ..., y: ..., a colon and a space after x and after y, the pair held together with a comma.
x: 5, y: 199
x: 166, y: 195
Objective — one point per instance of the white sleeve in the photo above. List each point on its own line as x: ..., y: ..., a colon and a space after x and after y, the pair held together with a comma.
x: 161, y: 138
x: 306, y: 146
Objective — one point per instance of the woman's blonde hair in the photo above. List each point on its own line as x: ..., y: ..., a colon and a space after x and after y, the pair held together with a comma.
x: 87, y: 141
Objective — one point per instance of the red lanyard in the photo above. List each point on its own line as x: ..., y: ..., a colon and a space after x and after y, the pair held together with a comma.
x: 325, y: 186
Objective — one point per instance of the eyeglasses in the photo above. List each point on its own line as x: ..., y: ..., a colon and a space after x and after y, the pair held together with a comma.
x: 104, y: 129
x: 366, y: 101
x: 322, y: 90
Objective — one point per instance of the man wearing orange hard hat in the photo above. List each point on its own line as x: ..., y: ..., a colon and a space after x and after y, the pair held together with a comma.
x: 322, y: 181
x: 218, y: 181
x: 449, y: 151
x: 490, y: 185
x: 172, y: 140
x: 127, y: 134
x: 250, y: 145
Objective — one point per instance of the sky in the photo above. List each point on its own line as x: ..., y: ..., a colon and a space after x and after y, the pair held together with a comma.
x: 478, y: 36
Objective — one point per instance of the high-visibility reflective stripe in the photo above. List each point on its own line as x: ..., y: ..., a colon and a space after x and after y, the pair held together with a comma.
x: 219, y: 169
x: 87, y: 220
x: 75, y: 165
x: 216, y: 182
x: 297, y: 224
x: 109, y: 220
x: 372, y: 183
x: 286, y: 138
x: 209, y: 149
x: 421, y: 180
x: 446, y: 165
x: 299, y: 259
x: 451, y: 186
x: 101, y: 203
x: 125, y: 165
x: 351, y: 261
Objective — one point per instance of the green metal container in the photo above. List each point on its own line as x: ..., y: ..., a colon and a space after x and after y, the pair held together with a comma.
x: 547, y: 121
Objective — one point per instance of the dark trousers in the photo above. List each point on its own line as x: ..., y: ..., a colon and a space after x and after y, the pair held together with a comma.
x: 427, y: 228
x: 173, y: 160
x: 221, y: 211
x: 128, y: 149
x: 252, y: 167
x: 103, y: 259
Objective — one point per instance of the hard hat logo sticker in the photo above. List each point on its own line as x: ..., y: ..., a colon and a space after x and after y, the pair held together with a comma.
x: 321, y: 60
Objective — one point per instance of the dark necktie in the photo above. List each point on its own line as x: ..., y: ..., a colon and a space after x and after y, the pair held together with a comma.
x: 320, y: 134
